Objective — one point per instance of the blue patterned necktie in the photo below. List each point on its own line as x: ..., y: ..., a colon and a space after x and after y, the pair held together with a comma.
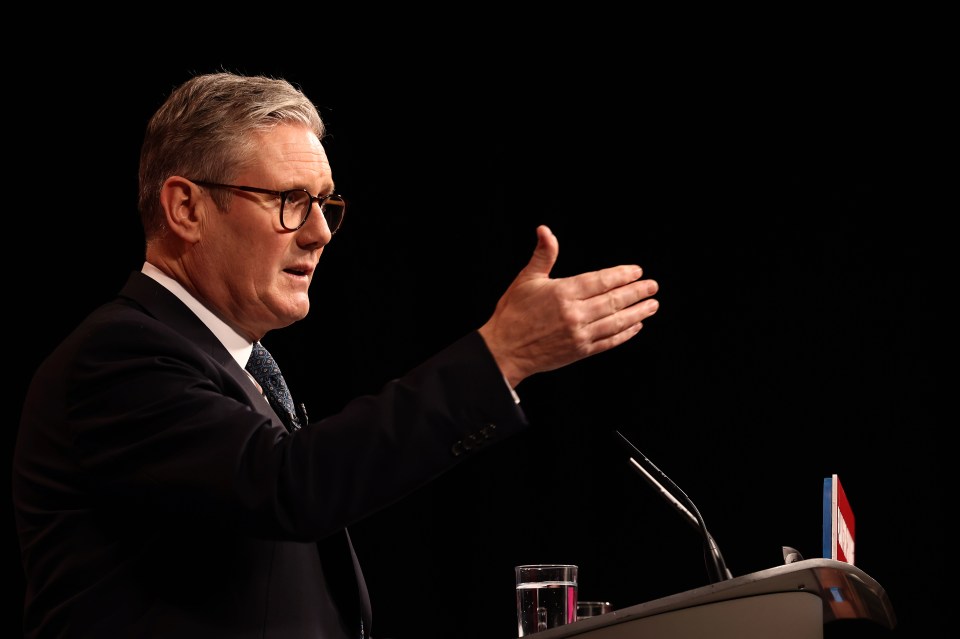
x: 265, y: 370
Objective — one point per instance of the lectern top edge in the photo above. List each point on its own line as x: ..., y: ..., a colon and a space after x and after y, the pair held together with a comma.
x: 845, y: 591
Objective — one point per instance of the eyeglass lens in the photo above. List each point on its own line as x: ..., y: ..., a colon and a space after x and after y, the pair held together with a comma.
x: 296, y: 208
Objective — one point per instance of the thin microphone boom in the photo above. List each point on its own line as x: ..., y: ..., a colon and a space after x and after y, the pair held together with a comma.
x: 666, y: 494
x: 716, y: 566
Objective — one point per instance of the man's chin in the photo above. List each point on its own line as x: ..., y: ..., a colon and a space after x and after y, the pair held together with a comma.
x: 289, y: 313
x: 297, y: 316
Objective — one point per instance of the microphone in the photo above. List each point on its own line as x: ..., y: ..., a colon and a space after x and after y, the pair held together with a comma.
x: 716, y: 567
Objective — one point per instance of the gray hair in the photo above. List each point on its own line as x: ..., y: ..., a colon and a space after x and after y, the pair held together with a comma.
x: 203, y: 132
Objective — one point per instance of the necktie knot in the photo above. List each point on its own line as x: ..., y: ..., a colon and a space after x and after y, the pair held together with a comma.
x: 264, y: 369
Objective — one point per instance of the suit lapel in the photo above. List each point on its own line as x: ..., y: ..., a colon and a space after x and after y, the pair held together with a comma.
x: 166, y: 307
x: 340, y: 564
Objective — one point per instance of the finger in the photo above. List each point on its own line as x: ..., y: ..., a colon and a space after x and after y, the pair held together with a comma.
x: 617, y: 300
x: 544, y: 255
x: 588, y: 285
x: 615, y: 328
x: 626, y: 296
x: 615, y: 339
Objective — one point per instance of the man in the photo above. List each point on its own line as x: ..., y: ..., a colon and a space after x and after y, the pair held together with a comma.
x: 160, y: 489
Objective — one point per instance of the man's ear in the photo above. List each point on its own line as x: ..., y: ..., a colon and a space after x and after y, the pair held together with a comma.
x: 184, y: 207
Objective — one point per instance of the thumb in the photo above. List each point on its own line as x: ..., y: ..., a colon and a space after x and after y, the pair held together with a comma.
x: 544, y: 255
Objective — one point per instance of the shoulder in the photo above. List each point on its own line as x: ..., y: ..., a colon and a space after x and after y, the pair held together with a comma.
x: 145, y: 327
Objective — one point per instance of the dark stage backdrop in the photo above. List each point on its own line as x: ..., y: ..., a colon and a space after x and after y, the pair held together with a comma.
x: 786, y: 208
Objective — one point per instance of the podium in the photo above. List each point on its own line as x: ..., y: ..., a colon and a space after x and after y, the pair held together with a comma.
x: 793, y: 601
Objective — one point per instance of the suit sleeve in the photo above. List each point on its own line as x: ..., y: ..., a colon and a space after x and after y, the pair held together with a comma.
x: 156, y: 422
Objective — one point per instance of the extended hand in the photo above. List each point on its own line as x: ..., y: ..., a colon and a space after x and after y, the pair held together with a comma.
x: 541, y: 324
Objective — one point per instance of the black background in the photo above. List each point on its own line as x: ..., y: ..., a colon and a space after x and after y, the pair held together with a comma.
x: 785, y: 203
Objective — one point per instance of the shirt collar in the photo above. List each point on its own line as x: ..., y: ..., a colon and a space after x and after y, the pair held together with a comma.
x: 236, y: 344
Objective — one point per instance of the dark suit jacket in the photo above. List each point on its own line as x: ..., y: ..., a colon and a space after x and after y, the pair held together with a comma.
x: 156, y: 493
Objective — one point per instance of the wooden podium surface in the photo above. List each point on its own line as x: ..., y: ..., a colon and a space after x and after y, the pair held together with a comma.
x: 792, y: 601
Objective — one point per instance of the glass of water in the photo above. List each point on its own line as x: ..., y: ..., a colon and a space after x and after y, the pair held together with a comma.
x: 546, y: 596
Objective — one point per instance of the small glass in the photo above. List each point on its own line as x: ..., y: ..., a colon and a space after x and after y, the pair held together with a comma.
x: 587, y: 609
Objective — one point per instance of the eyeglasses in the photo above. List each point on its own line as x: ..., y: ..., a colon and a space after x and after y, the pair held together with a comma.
x: 296, y: 204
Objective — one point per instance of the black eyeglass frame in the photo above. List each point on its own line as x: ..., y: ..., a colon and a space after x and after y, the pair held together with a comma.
x: 319, y: 199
